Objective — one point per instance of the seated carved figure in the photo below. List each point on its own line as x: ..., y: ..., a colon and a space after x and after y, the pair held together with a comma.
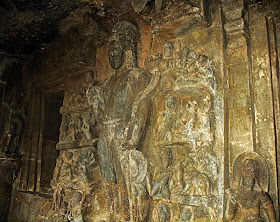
x: 245, y: 202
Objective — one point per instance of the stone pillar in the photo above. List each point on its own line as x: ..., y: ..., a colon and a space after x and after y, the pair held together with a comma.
x: 238, y: 93
x: 32, y: 144
x: 265, y: 76
x: 252, y: 90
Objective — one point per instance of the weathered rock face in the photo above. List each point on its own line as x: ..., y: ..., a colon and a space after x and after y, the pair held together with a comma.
x: 172, y: 116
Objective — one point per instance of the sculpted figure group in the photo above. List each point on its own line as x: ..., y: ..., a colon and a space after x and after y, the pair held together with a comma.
x: 181, y: 181
x: 122, y: 106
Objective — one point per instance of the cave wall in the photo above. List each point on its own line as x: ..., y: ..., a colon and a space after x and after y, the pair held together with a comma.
x: 178, y: 135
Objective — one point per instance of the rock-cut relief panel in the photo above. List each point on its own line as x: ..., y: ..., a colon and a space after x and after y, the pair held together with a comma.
x: 247, y: 199
x: 77, y: 168
x: 182, y: 136
x: 77, y: 126
x: 75, y: 172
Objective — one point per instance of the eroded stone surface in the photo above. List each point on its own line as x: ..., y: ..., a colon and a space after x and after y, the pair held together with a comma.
x: 167, y: 118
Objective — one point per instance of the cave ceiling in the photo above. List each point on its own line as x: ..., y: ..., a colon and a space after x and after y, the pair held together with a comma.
x: 27, y: 24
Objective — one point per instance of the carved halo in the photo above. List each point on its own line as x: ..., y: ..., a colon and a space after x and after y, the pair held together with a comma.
x: 263, y: 173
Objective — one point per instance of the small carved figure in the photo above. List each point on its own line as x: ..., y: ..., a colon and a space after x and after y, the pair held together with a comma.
x: 188, y: 118
x: 94, y: 96
x: 196, y: 183
x: 203, y: 120
x: 161, y: 176
x: 168, y: 50
x: 168, y: 117
x: 70, y: 183
x: 245, y: 202
x: 88, y: 122
x: 135, y: 169
x: 75, y: 126
x: 176, y: 184
x: 167, y: 66
x: 186, y: 214
x: 204, y: 67
x: 207, y: 160
x: 163, y: 212
x: 182, y: 58
x: 64, y: 128
x: 64, y: 183
x: 191, y: 63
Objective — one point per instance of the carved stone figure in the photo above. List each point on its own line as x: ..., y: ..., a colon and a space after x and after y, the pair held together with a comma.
x: 161, y: 176
x: 95, y: 99
x: 135, y: 168
x: 176, y: 183
x: 168, y: 117
x: 167, y: 65
x: 193, y: 70
x: 121, y: 92
x: 63, y: 135
x: 121, y: 107
x: 188, y: 118
x: 65, y: 183
x: 88, y: 123
x: 78, y: 121
x: 203, y: 123
x: 163, y: 212
x: 246, y: 200
x: 71, y: 182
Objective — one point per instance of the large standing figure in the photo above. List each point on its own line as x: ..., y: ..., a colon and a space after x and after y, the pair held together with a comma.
x: 126, y: 107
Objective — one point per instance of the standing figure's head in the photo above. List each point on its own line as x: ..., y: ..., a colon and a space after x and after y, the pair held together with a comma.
x: 123, y: 39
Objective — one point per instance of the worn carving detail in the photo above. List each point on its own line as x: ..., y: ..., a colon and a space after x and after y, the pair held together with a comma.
x: 78, y: 120
x: 119, y: 95
x: 140, y: 111
x: 247, y: 196
x: 122, y: 110
x: 182, y: 136
x: 135, y: 169
x: 182, y: 181
x: 71, y: 181
x: 76, y: 166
